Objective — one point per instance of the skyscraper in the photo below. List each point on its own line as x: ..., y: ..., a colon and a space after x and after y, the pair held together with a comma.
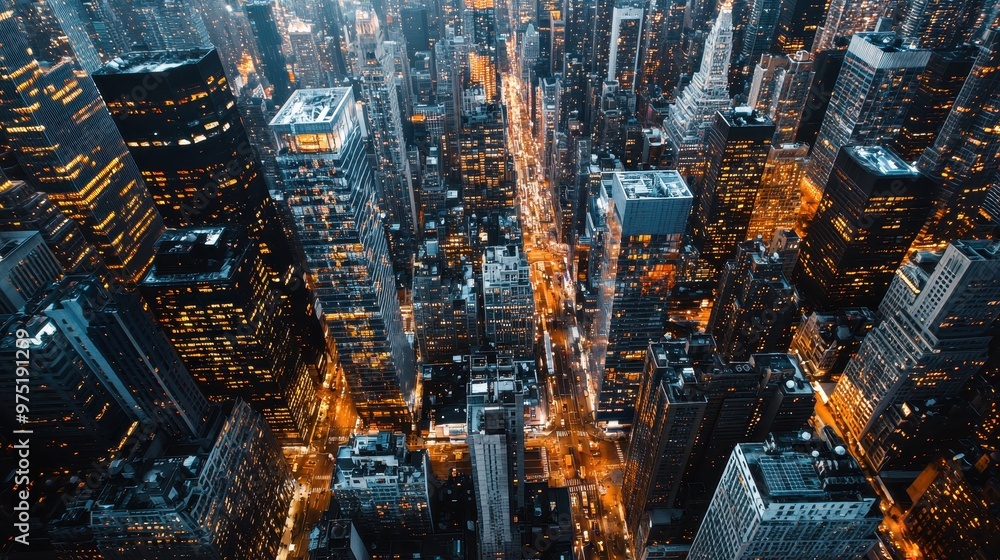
x: 508, y: 301
x: 382, y: 486
x: 211, y: 293
x: 82, y: 165
x: 27, y: 267
x: 626, y: 38
x: 708, y: 92
x: 272, y: 59
x: 756, y: 307
x: 792, y: 497
x: 195, y: 157
x: 762, y: 22
x: 942, y: 24
x: 869, y: 103
x: 937, y: 91
x: 797, y: 25
x: 933, y: 337
x: 844, y: 18
x: 634, y: 272
x: 872, y: 208
x: 738, y: 145
x: 965, y: 156
x: 780, y: 90
x: 380, y: 91
x: 496, y: 446
x: 669, y: 411
x: 659, y: 64
x: 777, y: 204
x: 329, y: 189
x: 228, y: 499
x: 445, y: 305
x: 307, y: 65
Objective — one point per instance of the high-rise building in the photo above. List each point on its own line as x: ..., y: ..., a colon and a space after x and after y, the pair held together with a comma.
x: 660, y: 56
x: 872, y: 208
x: 965, y: 156
x: 195, y: 157
x: 780, y: 89
x: 868, y: 105
x: 826, y: 341
x: 22, y: 208
x: 211, y: 293
x: 274, y: 66
x: 937, y: 91
x: 844, y: 18
x: 307, y: 65
x: 382, y: 486
x: 951, y: 513
x: 165, y: 24
x: 738, y: 146
x: 227, y: 499
x: 446, y: 322
x: 626, y: 38
x: 329, y: 189
x: 484, y: 158
x: 105, y: 356
x: 941, y: 24
x: 797, y: 25
x: 761, y: 25
x: 792, y: 497
x: 496, y: 446
x: 669, y: 412
x: 777, y: 204
x: 384, y: 116
x: 692, y: 115
x: 81, y: 164
x: 756, y: 307
x: 933, y: 337
x: 508, y: 301
x: 336, y: 539
x: 27, y: 267
x: 633, y: 272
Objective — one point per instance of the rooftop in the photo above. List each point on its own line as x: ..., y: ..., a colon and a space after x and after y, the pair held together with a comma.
x: 142, y: 62
x: 653, y: 184
x: 312, y: 106
x: 881, y: 161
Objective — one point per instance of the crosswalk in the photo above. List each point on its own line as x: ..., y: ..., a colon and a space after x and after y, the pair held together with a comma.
x: 577, y: 485
x: 621, y: 455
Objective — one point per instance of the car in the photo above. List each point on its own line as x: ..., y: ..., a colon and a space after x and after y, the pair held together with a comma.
x: 565, y: 408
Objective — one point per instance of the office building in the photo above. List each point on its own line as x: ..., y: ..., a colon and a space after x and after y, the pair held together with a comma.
x: 780, y: 89
x: 940, y: 24
x: 797, y: 25
x: 83, y: 165
x: 27, y: 267
x: 964, y: 157
x: 626, y: 38
x: 484, y: 158
x: 24, y: 209
x: 872, y: 208
x: 496, y: 446
x: 758, y: 35
x: 164, y: 24
x: 933, y: 337
x: 329, y: 189
x: 791, y: 497
x: 669, y: 412
x: 382, y: 486
x: 384, y: 117
x: 446, y: 322
x: 225, y: 499
x: 633, y: 272
x: 777, y: 204
x: 195, y: 156
x: 937, y: 91
x: 826, y: 341
x: 845, y: 18
x: 273, y: 64
x: 307, y: 64
x: 756, y: 307
x: 869, y: 105
x: 786, y: 243
x: 693, y: 114
x: 953, y: 507
x: 336, y: 539
x: 738, y: 146
x: 211, y: 293
x: 508, y: 301
x: 660, y: 62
